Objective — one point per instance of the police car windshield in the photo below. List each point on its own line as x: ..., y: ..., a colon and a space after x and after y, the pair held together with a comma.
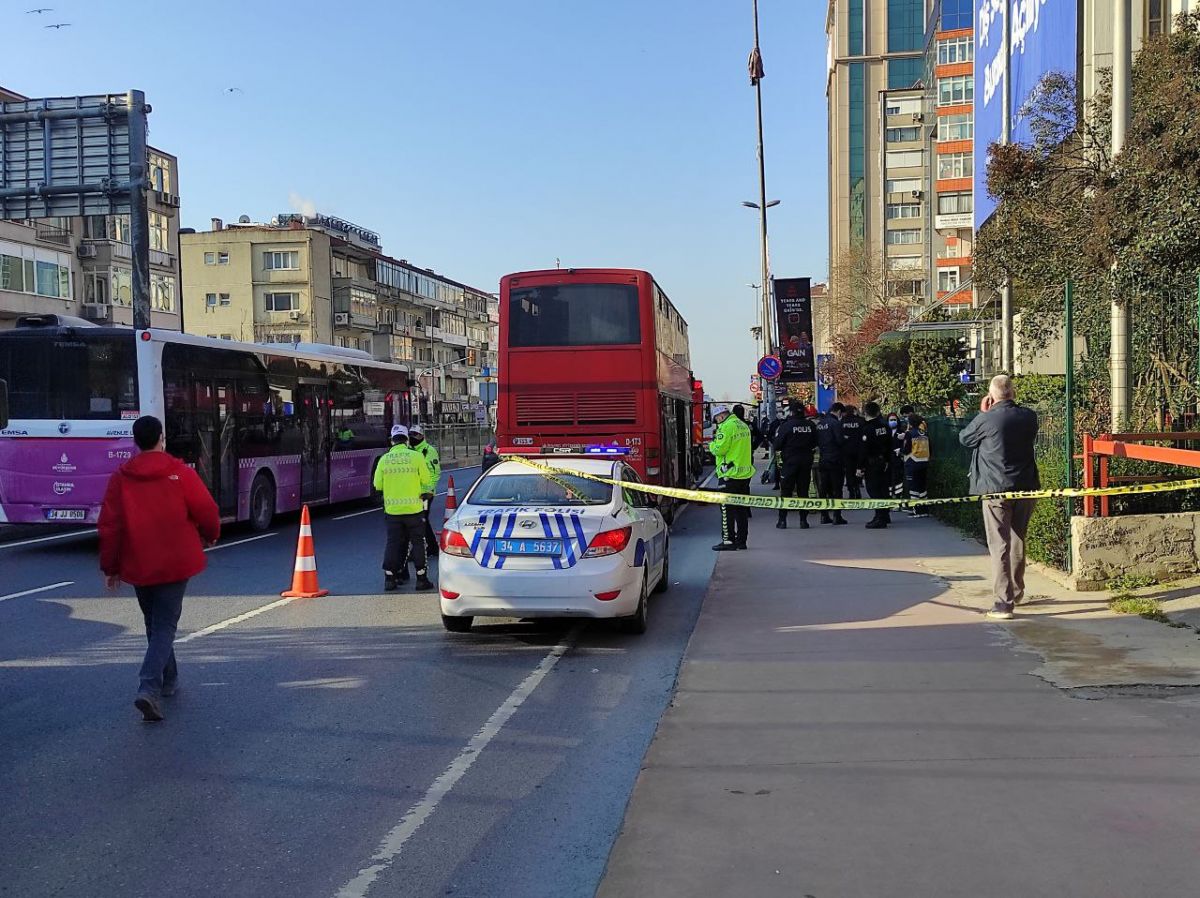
x: 540, y: 489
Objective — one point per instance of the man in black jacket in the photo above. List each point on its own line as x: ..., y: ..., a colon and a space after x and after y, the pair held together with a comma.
x: 1002, y: 442
x: 832, y: 443
x: 877, y: 458
x: 795, y: 441
x: 853, y: 431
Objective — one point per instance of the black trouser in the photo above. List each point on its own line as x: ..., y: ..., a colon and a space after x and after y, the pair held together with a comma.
x: 829, y: 483
x: 878, y: 486
x: 735, y: 519
x: 896, y: 475
x: 796, y: 476
x: 853, y: 483
x: 405, y: 533
x: 161, y: 606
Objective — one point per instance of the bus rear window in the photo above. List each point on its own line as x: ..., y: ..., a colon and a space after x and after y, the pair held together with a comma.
x: 56, y: 377
x: 573, y: 315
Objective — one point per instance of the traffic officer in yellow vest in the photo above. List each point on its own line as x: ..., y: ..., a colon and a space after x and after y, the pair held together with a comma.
x: 735, y: 466
x: 416, y: 440
x: 406, y: 482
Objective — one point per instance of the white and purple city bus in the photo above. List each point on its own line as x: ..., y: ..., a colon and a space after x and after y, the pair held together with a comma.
x: 267, y: 427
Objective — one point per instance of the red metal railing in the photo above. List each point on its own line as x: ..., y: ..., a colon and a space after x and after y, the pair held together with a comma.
x: 1098, y: 450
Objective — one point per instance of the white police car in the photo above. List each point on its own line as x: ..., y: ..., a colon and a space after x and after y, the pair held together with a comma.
x: 527, y: 543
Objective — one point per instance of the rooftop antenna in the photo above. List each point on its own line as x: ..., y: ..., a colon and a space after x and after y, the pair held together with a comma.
x: 557, y: 262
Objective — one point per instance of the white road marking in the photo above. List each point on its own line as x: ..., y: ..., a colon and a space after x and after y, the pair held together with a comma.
x: 355, y: 514
x: 221, y: 625
x: 46, y: 539
x: 393, y: 843
x: 29, y: 592
x: 238, y: 542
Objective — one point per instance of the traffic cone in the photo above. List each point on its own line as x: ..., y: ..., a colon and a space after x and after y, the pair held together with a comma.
x: 304, y: 576
x: 451, y: 500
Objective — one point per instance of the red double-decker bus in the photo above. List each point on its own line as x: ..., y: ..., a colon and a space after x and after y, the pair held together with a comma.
x: 593, y: 356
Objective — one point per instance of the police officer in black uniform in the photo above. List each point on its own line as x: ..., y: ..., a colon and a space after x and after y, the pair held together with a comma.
x: 852, y: 428
x: 795, y: 441
x: 832, y: 444
x: 877, y: 459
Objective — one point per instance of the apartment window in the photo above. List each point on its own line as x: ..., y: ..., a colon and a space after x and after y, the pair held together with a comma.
x: 282, y: 302
x: 224, y: 299
x: 12, y: 274
x: 160, y: 172
x: 904, y: 73
x: 906, y: 287
x: 956, y: 165
x: 160, y: 234
x: 905, y: 158
x: 1154, y: 18
x: 121, y: 286
x: 903, y: 107
x: 954, y: 203
x: 956, y: 127
x: 222, y: 258
x: 953, y: 50
x: 903, y: 185
x: 282, y: 261
x: 857, y: 148
x: 210, y: 258
x: 95, y: 287
x: 905, y: 25
x: 957, y: 14
x: 956, y: 90
x: 896, y: 135
x: 51, y: 279
x: 901, y: 263
x: 903, y: 210
x: 226, y: 336
x: 948, y: 279
x: 210, y: 300
x: 904, y: 238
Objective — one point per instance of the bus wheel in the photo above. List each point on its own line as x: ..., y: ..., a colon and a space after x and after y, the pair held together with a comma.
x: 262, y: 503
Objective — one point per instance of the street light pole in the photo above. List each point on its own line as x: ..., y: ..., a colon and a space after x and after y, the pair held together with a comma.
x: 1006, y: 311
x: 756, y: 76
x: 1118, y: 359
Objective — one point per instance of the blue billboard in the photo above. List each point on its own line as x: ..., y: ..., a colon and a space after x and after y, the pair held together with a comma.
x: 1044, y: 35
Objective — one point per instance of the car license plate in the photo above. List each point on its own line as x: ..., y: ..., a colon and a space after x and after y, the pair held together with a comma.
x: 527, y: 546
x: 66, y: 514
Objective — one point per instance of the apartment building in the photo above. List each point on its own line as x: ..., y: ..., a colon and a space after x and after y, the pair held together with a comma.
x: 874, y: 46
x: 83, y: 266
x: 320, y: 279
x: 1149, y: 18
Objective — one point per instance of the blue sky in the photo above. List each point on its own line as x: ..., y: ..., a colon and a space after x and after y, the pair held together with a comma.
x: 479, y: 137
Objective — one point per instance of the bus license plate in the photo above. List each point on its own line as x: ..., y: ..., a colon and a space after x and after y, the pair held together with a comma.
x: 66, y: 514
x: 527, y: 546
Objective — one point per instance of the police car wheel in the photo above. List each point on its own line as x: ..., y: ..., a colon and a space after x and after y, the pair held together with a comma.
x: 635, y: 624
x: 664, y: 582
x: 457, y: 624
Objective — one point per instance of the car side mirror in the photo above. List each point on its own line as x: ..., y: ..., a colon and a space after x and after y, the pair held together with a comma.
x: 3, y: 404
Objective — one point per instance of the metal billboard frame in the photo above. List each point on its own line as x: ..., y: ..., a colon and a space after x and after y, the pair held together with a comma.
x: 76, y: 156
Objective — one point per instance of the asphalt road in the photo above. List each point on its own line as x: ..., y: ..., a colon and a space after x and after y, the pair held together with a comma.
x: 344, y: 746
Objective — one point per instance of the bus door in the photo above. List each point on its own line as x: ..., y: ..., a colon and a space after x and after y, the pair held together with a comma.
x: 216, y: 456
x: 312, y: 408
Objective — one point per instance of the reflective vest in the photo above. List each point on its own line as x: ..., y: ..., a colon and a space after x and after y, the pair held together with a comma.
x: 403, y: 476
x: 430, y: 454
x: 731, y: 448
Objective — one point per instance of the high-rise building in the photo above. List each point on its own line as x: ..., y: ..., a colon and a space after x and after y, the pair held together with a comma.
x: 874, y: 46
x: 319, y: 279
x: 83, y: 266
x: 1148, y: 19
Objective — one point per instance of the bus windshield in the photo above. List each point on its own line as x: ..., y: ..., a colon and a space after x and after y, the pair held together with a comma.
x: 65, y: 376
x: 573, y: 315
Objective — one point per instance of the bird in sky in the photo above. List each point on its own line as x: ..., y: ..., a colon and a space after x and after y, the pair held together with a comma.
x: 234, y: 90
x: 58, y: 25
x: 39, y: 10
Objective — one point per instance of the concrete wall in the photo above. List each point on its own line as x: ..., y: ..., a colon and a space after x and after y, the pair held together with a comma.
x: 1166, y: 546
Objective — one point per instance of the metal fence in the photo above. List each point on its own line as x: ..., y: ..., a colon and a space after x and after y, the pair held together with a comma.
x: 459, y: 441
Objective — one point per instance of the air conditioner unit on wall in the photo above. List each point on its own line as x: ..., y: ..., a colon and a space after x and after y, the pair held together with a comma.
x: 86, y: 251
x: 295, y: 314
x: 918, y: 117
x: 341, y: 318
x: 917, y: 194
x: 97, y: 311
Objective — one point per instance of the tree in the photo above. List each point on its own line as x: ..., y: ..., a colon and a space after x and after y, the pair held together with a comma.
x: 1120, y: 229
x: 882, y: 371
x: 933, y: 376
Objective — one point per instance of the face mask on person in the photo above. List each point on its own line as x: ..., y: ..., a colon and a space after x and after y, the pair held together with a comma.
x: 892, y: 422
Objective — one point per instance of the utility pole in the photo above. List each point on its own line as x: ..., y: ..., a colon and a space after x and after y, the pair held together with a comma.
x: 1006, y: 311
x: 756, y: 76
x: 1118, y: 358
x: 139, y: 218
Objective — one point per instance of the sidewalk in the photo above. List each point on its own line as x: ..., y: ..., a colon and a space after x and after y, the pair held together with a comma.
x: 847, y: 723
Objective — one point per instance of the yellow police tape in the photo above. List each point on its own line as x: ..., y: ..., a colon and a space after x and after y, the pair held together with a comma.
x: 719, y: 497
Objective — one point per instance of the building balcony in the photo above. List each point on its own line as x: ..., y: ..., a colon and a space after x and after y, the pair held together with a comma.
x: 52, y: 233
